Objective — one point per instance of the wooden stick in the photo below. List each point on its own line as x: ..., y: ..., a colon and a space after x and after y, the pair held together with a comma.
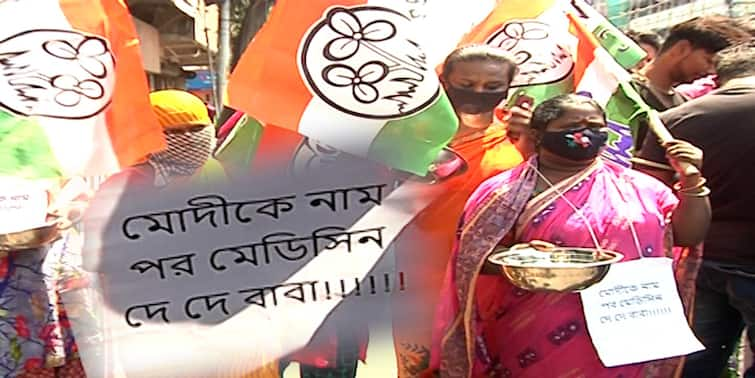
x: 660, y: 130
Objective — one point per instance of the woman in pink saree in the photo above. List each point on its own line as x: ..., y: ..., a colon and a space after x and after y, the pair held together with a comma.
x: 485, y: 326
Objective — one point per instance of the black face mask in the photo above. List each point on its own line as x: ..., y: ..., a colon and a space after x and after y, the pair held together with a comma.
x: 472, y: 102
x: 578, y: 144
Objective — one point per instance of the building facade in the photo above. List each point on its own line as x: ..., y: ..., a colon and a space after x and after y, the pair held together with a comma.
x: 659, y: 15
x: 174, y: 34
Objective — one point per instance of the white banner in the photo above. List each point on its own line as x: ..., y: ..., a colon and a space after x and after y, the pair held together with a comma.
x: 237, y: 278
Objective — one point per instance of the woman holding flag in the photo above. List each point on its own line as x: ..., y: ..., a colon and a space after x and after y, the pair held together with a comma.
x: 476, y: 79
x: 485, y: 326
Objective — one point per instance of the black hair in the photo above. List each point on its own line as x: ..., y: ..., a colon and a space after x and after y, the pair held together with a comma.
x: 711, y: 33
x: 479, y: 53
x: 736, y: 61
x: 554, y: 108
x: 650, y: 39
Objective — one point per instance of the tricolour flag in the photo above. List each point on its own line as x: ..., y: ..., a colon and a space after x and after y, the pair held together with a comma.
x: 597, y: 74
x: 536, y: 33
x: 552, y: 57
x: 352, y: 74
x: 73, y: 93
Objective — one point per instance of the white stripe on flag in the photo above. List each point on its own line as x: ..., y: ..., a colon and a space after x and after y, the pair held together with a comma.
x: 346, y: 132
x: 78, y: 145
x: 448, y: 21
x: 602, y: 77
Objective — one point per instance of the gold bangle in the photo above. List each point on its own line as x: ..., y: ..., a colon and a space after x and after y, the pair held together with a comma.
x: 700, y: 184
x: 704, y: 192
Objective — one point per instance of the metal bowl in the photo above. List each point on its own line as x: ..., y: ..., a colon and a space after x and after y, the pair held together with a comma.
x: 31, y: 239
x: 554, y: 269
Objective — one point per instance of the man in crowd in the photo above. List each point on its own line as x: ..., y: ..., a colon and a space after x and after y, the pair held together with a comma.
x: 686, y: 55
x: 721, y: 124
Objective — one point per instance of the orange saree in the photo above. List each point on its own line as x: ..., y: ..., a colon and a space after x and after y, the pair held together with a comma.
x: 423, y: 249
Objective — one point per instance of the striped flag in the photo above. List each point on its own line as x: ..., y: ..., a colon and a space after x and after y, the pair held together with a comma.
x: 536, y: 33
x: 597, y: 74
x: 352, y: 74
x: 73, y: 93
x: 553, y: 57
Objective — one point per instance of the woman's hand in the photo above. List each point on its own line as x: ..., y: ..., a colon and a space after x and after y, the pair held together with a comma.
x: 679, y: 152
x: 518, y: 121
x: 68, y: 214
x: 519, y: 132
x: 692, y: 216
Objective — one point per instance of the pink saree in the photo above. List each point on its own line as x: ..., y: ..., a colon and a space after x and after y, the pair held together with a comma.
x: 486, y: 327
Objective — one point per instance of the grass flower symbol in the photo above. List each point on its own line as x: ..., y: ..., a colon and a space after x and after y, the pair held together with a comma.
x: 88, y: 54
x: 352, y: 34
x: 361, y: 81
x: 71, y: 90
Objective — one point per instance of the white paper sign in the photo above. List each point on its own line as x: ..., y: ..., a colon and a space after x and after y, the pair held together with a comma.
x: 635, y: 304
x: 23, y: 205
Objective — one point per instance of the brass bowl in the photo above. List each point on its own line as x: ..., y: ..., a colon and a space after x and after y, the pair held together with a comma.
x: 31, y: 239
x: 555, y: 269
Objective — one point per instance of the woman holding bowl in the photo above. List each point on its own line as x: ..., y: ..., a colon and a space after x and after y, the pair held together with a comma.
x: 568, y: 196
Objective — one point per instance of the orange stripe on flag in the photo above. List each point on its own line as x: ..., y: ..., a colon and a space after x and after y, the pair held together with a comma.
x: 277, y: 147
x: 132, y: 126
x: 506, y: 10
x: 585, y: 48
x: 266, y: 83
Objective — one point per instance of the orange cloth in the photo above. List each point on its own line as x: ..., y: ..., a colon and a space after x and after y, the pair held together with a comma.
x: 424, y: 247
x: 178, y: 108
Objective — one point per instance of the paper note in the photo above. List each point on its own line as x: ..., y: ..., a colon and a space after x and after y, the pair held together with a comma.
x: 23, y: 205
x: 631, y: 308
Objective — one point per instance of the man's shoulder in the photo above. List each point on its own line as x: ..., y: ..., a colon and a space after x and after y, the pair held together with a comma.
x: 652, y: 97
x: 715, y: 104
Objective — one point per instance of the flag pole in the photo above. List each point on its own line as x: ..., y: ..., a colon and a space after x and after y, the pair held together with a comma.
x: 224, y: 52
x: 664, y: 136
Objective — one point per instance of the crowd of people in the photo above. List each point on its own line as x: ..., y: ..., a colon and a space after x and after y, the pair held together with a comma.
x: 525, y: 180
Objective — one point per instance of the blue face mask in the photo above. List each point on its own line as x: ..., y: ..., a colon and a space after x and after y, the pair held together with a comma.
x: 578, y: 144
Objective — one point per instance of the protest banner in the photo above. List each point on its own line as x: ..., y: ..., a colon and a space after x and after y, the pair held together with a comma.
x: 252, y: 271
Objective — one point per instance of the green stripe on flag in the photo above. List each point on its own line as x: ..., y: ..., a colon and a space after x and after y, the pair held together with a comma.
x: 240, y: 146
x: 621, y: 108
x: 625, y: 51
x: 625, y: 111
x: 24, y: 151
x: 412, y: 144
x: 543, y: 92
x: 628, y: 107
